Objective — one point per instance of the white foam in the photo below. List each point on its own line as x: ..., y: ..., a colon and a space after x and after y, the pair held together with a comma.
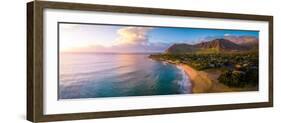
x: 185, y: 83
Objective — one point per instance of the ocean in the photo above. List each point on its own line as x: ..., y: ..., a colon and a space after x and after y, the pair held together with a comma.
x: 96, y: 75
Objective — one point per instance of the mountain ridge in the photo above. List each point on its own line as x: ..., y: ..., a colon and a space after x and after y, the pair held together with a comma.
x: 215, y: 45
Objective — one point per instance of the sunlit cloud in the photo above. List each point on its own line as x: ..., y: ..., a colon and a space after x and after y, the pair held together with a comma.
x: 107, y: 38
x: 133, y: 35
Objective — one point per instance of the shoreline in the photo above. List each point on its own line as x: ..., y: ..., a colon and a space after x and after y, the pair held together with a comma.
x: 206, y: 81
x: 199, y: 83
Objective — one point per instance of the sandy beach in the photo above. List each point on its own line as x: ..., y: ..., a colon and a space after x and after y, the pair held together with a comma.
x: 207, y: 81
x: 200, y: 82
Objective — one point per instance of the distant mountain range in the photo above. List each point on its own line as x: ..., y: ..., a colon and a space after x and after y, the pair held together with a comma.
x: 227, y: 44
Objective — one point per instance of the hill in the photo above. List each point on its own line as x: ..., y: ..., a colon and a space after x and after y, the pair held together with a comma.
x: 247, y: 41
x: 213, y: 46
x: 181, y: 48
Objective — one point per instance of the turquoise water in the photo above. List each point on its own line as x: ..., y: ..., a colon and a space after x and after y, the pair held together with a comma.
x: 93, y: 75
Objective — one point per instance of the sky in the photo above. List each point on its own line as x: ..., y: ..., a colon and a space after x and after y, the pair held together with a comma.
x: 120, y: 38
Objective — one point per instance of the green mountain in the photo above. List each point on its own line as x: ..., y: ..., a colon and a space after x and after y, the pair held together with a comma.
x: 213, y: 46
x: 182, y: 48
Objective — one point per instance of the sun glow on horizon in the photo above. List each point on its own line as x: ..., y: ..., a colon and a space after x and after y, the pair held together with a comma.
x: 78, y: 36
x: 118, y: 38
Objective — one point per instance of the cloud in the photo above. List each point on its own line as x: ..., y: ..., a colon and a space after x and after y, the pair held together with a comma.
x: 130, y: 40
x: 133, y: 35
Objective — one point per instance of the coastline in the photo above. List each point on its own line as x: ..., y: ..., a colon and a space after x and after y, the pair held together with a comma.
x: 204, y: 82
x: 200, y: 83
x: 207, y: 81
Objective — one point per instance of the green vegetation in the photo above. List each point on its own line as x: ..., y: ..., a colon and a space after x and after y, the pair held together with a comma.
x: 239, y: 78
x: 238, y: 69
